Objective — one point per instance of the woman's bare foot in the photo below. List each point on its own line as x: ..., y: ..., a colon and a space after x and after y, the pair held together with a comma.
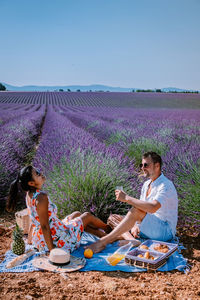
x: 108, y: 229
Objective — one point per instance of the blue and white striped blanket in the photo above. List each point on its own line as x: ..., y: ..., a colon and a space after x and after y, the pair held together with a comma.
x: 98, y: 261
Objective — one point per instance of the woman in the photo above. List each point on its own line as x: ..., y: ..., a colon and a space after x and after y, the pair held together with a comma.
x: 46, y: 230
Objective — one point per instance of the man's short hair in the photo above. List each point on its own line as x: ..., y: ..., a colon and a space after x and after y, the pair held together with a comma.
x: 156, y: 158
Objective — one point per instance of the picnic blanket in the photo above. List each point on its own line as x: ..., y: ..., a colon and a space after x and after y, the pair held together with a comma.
x: 98, y: 261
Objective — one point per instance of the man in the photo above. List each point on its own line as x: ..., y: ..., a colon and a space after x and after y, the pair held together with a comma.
x: 155, y: 215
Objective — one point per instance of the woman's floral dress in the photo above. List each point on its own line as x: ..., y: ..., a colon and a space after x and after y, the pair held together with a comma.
x: 66, y: 234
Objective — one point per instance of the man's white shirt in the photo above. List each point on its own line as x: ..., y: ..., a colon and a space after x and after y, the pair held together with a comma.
x: 163, y: 190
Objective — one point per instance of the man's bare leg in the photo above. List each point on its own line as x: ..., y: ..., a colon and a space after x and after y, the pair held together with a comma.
x: 114, y: 221
x: 126, y: 224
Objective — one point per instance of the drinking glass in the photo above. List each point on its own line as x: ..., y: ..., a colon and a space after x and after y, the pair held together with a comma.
x: 119, y: 187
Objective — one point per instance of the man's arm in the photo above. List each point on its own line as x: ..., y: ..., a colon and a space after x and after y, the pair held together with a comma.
x: 149, y: 207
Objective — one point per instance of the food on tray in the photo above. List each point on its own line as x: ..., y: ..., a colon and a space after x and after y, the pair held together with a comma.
x: 144, y: 247
x: 149, y: 258
x: 161, y: 248
x: 147, y: 255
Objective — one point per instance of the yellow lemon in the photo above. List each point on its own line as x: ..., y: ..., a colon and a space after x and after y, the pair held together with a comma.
x: 88, y: 253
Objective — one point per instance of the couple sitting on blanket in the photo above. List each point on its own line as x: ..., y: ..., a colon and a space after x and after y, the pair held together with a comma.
x: 152, y: 216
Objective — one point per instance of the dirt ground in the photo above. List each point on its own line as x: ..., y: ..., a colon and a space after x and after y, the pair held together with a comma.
x: 103, y: 285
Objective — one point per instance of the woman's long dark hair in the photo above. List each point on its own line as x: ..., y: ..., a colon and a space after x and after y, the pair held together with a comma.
x: 23, y: 177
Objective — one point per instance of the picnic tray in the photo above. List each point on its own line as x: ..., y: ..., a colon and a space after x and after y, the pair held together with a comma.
x: 159, y: 260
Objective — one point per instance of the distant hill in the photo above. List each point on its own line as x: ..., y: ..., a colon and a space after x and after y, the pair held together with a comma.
x: 173, y: 89
x: 73, y: 88
x: 82, y: 88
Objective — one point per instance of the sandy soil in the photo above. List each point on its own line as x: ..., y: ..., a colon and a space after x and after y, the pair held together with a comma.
x: 103, y: 285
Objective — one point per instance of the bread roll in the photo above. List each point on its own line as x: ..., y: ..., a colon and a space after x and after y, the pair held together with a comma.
x: 144, y: 247
x: 161, y: 248
x: 147, y: 255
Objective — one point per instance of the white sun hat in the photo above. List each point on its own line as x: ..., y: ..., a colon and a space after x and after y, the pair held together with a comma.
x: 59, y: 256
x: 59, y: 260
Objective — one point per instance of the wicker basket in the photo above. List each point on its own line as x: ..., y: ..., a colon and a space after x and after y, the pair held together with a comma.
x: 159, y: 258
x: 23, y: 220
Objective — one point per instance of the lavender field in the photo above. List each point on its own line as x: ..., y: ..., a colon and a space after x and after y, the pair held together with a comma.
x: 87, y: 143
x: 105, y: 99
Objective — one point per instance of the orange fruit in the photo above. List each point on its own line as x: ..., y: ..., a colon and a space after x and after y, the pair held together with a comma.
x: 88, y: 253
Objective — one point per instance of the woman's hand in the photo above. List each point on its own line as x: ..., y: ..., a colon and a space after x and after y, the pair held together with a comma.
x: 120, y: 196
x: 29, y: 241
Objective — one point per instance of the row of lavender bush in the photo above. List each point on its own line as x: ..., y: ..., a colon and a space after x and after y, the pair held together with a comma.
x: 12, y: 111
x: 17, y: 140
x: 82, y: 172
x: 105, y: 99
x: 172, y: 133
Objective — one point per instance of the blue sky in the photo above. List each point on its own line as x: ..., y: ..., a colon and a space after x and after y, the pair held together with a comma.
x: 127, y: 43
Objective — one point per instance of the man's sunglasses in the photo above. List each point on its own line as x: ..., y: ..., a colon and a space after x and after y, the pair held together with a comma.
x: 145, y: 165
x: 38, y: 172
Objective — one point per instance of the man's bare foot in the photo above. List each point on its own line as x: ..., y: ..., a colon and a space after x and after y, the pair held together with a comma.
x: 96, y: 247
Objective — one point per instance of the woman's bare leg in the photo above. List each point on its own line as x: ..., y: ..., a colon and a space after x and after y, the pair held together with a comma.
x: 92, y: 221
x: 91, y: 228
x: 98, y: 232
x: 74, y: 215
